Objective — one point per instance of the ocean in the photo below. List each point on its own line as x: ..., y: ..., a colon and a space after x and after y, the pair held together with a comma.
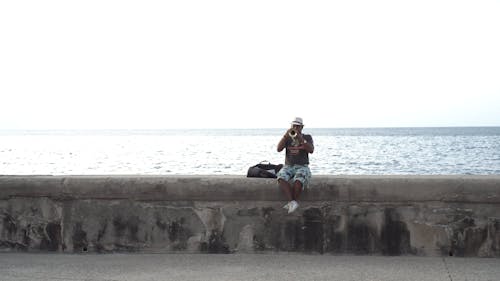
x: 370, y: 151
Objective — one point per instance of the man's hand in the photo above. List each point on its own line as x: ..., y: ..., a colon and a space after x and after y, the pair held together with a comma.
x: 300, y: 138
x: 281, y: 144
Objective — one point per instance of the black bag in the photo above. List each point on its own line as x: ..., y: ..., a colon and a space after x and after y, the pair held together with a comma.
x: 264, y: 170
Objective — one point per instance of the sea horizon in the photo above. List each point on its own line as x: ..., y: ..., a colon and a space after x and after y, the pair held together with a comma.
x: 312, y: 130
x: 338, y: 151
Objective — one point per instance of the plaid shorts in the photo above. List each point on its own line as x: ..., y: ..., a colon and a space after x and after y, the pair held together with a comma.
x: 300, y: 173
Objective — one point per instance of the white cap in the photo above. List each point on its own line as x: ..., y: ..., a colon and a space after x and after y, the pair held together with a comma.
x: 298, y: 121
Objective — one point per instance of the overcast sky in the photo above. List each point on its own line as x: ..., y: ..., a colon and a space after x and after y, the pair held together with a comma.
x: 248, y: 64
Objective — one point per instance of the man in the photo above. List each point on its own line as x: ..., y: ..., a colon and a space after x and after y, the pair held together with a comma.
x: 294, y: 176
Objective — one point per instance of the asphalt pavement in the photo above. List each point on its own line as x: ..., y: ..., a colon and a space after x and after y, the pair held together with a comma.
x: 269, y: 267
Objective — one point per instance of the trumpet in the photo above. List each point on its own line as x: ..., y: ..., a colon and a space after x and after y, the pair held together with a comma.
x: 292, y: 134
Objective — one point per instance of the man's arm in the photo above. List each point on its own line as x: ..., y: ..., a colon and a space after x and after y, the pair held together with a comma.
x: 307, y: 145
x: 282, y: 143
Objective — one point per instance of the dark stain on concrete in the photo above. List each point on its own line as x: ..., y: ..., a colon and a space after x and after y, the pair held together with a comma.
x: 127, y: 233
x: 132, y: 225
x: 259, y: 243
x: 10, y: 232
x: 361, y: 239
x: 267, y: 214
x: 313, y: 230
x: 468, y: 238
x: 335, y: 239
x: 100, y: 235
x: 52, y: 237
x: 292, y: 236
x: 474, y: 239
x: 9, y: 225
x: 120, y: 226
x: 494, y: 234
x: 178, y: 234
x: 395, y: 236
x: 216, y: 244
x: 175, y: 229
x: 80, y: 243
x: 270, y: 238
x: 26, y: 239
x: 102, y: 231
x: 13, y: 245
x: 160, y: 223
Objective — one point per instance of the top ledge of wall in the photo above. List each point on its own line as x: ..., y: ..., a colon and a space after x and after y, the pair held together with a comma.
x: 446, y: 188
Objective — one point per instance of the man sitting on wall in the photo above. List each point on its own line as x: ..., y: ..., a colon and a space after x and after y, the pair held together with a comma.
x: 296, y: 169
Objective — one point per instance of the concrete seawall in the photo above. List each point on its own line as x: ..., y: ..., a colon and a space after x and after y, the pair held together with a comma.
x: 382, y: 215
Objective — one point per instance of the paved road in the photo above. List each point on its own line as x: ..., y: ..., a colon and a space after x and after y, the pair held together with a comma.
x: 269, y: 267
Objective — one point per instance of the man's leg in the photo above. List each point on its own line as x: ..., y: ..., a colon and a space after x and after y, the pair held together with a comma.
x: 286, y: 189
x: 301, y: 180
x: 295, y: 193
x: 297, y: 189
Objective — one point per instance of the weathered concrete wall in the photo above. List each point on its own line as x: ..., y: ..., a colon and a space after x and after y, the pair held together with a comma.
x: 387, y: 215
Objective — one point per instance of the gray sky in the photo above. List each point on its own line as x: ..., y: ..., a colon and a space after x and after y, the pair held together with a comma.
x: 248, y: 64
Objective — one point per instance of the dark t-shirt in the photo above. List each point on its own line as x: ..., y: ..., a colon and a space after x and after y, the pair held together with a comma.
x: 297, y: 155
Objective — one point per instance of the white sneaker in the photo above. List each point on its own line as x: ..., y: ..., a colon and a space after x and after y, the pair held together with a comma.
x: 287, y: 205
x: 293, y: 205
